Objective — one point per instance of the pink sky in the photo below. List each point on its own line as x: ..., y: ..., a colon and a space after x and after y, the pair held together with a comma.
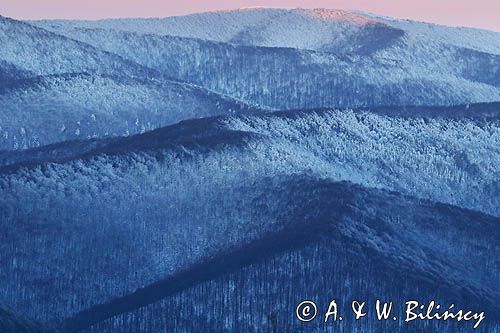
x: 474, y: 13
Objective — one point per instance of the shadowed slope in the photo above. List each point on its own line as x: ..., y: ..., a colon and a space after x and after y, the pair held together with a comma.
x: 132, y: 211
x: 336, y: 230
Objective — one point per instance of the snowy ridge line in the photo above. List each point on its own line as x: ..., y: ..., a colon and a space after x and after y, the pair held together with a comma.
x: 78, y: 35
x: 96, y: 94
x: 183, y: 133
x: 343, y: 144
x: 120, y: 146
x: 477, y: 111
x: 142, y: 72
x: 490, y: 111
x: 335, y: 76
x: 87, y: 36
x: 84, y: 35
x: 21, y: 29
x: 445, y: 160
x: 204, y: 144
x: 317, y: 220
x: 34, y: 80
x: 264, y: 25
x: 62, y: 107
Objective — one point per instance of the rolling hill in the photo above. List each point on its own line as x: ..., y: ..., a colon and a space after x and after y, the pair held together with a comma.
x: 313, y: 29
x: 334, y: 236
x: 208, y: 172
x: 48, y: 109
x: 43, y: 52
x: 64, y: 80
x: 53, y: 89
x: 317, y: 58
x: 131, y: 211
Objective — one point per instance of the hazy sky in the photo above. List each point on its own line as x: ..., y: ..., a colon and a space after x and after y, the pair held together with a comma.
x: 474, y: 13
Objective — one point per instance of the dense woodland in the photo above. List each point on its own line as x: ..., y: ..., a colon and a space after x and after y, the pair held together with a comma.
x: 159, y: 176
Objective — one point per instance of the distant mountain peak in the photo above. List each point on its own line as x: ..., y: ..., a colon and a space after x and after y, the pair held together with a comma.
x: 338, y: 15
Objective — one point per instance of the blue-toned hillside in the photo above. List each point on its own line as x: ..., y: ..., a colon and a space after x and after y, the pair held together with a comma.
x: 135, y: 210
x: 206, y: 173
x: 316, y: 58
x: 333, y: 236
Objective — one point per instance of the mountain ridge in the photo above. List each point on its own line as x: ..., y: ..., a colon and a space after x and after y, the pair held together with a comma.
x: 311, y: 224
x: 364, y: 16
x: 151, y: 182
x: 54, y: 88
x: 348, y: 73
x: 185, y: 131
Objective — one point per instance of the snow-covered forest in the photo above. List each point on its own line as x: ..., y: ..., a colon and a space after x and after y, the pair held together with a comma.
x: 228, y: 173
x: 406, y: 72
x: 203, y: 194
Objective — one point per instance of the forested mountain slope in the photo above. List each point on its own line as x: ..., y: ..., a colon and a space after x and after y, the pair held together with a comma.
x: 314, y: 29
x: 333, y: 236
x: 316, y: 58
x: 238, y: 162
x: 48, y: 109
x: 53, y: 89
x: 134, y: 210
